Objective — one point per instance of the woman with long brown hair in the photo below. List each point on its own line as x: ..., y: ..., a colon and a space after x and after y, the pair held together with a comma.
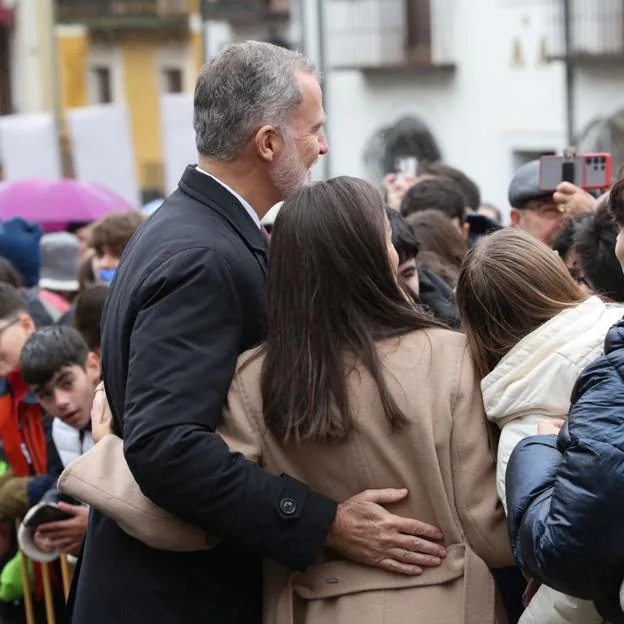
x: 355, y: 389
x: 531, y: 331
x: 442, y: 248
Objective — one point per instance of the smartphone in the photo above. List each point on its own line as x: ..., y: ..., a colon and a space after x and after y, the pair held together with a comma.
x: 587, y: 171
x: 46, y: 513
x: 406, y: 165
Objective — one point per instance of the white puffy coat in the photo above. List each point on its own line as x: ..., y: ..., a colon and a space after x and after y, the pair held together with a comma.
x: 533, y: 383
x: 70, y: 443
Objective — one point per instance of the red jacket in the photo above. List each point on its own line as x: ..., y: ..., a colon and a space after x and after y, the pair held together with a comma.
x: 21, y: 428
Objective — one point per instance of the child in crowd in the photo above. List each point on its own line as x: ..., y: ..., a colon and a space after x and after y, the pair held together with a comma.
x: 424, y: 286
x: 88, y: 318
x: 63, y: 373
x: 437, y: 193
x: 442, y: 248
x: 109, y: 237
x: 565, y: 495
x: 25, y: 435
x: 594, y: 245
x: 20, y: 246
x: 564, y: 245
x: 532, y: 331
x: 58, y: 283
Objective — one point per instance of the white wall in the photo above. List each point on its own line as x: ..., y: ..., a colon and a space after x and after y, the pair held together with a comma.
x: 502, y: 97
x: 29, y: 53
x: 598, y: 92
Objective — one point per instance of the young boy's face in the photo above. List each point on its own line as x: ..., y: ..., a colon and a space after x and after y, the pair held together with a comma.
x: 69, y: 394
x: 107, y: 265
x: 14, y: 332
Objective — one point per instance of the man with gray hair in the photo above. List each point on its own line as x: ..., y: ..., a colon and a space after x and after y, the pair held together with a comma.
x: 186, y: 301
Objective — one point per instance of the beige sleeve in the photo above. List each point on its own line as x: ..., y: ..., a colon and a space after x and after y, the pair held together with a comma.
x: 474, y: 472
x: 238, y: 428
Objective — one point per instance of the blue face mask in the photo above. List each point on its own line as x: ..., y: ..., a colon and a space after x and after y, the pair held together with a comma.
x: 106, y: 276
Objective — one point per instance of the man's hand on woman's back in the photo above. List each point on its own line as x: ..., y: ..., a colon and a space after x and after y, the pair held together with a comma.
x: 366, y: 532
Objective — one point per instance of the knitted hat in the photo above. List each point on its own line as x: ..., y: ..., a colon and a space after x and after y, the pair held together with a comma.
x: 19, y: 244
x: 59, y: 262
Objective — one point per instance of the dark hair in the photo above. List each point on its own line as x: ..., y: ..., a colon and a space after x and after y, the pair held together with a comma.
x: 50, y: 349
x: 403, y: 237
x: 616, y: 201
x: 12, y: 301
x: 493, y: 208
x: 468, y: 187
x: 564, y: 240
x: 86, y: 276
x: 9, y: 275
x: 594, y: 243
x: 437, y: 235
x: 331, y: 293
x: 435, y: 194
x: 114, y: 231
x: 88, y: 315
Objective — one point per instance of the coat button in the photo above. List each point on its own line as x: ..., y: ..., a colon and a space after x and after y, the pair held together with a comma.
x: 288, y: 506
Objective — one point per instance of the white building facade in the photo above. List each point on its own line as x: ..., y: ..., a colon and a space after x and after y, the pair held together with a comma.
x: 484, y: 76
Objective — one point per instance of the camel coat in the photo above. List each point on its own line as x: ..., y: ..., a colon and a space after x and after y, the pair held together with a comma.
x: 443, y: 455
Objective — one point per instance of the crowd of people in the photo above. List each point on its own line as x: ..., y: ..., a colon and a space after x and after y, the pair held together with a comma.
x: 52, y: 292
x: 392, y: 409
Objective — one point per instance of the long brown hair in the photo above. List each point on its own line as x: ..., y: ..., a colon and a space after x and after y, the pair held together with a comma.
x: 441, y: 245
x: 331, y: 295
x: 509, y: 285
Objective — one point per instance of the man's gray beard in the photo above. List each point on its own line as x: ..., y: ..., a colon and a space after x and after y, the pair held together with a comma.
x: 288, y: 175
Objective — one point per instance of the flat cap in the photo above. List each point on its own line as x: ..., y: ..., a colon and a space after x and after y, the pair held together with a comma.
x: 525, y: 186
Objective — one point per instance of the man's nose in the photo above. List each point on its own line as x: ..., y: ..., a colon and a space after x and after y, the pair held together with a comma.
x: 323, y: 144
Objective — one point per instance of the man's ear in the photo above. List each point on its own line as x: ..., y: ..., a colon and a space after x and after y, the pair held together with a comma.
x: 516, y: 216
x: 268, y: 143
x: 466, y: 230
x: 93, y: 366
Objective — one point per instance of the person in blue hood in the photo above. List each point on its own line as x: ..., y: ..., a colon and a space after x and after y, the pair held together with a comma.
x: 565, y: 492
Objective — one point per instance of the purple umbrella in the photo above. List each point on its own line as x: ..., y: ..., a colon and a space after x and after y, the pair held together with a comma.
x: 55, y: 204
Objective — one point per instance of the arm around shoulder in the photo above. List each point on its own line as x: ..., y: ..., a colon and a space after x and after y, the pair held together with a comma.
x: 183, y: 351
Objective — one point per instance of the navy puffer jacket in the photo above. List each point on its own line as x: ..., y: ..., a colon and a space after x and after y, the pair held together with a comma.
x: 565, y: 495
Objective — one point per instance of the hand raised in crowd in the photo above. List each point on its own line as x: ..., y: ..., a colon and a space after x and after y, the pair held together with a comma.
x: 550, y: 427
x: 65, y: 535
x: 573, y: 200
x: 101, y: 416
x: 396, y: 186
x: 366, y: 532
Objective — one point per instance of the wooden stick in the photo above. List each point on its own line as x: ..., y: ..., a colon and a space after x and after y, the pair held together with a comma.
x: 47, y: 594
x: 28, y: 599
x: 66, y: 574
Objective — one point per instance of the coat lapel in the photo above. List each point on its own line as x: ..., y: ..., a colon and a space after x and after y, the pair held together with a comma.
x: 216, y: 197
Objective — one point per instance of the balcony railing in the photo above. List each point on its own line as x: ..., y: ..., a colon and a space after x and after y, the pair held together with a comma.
x: 246, y: 10
x: 124, y: 13
x: 382, y: 34
x: 596, y: 31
